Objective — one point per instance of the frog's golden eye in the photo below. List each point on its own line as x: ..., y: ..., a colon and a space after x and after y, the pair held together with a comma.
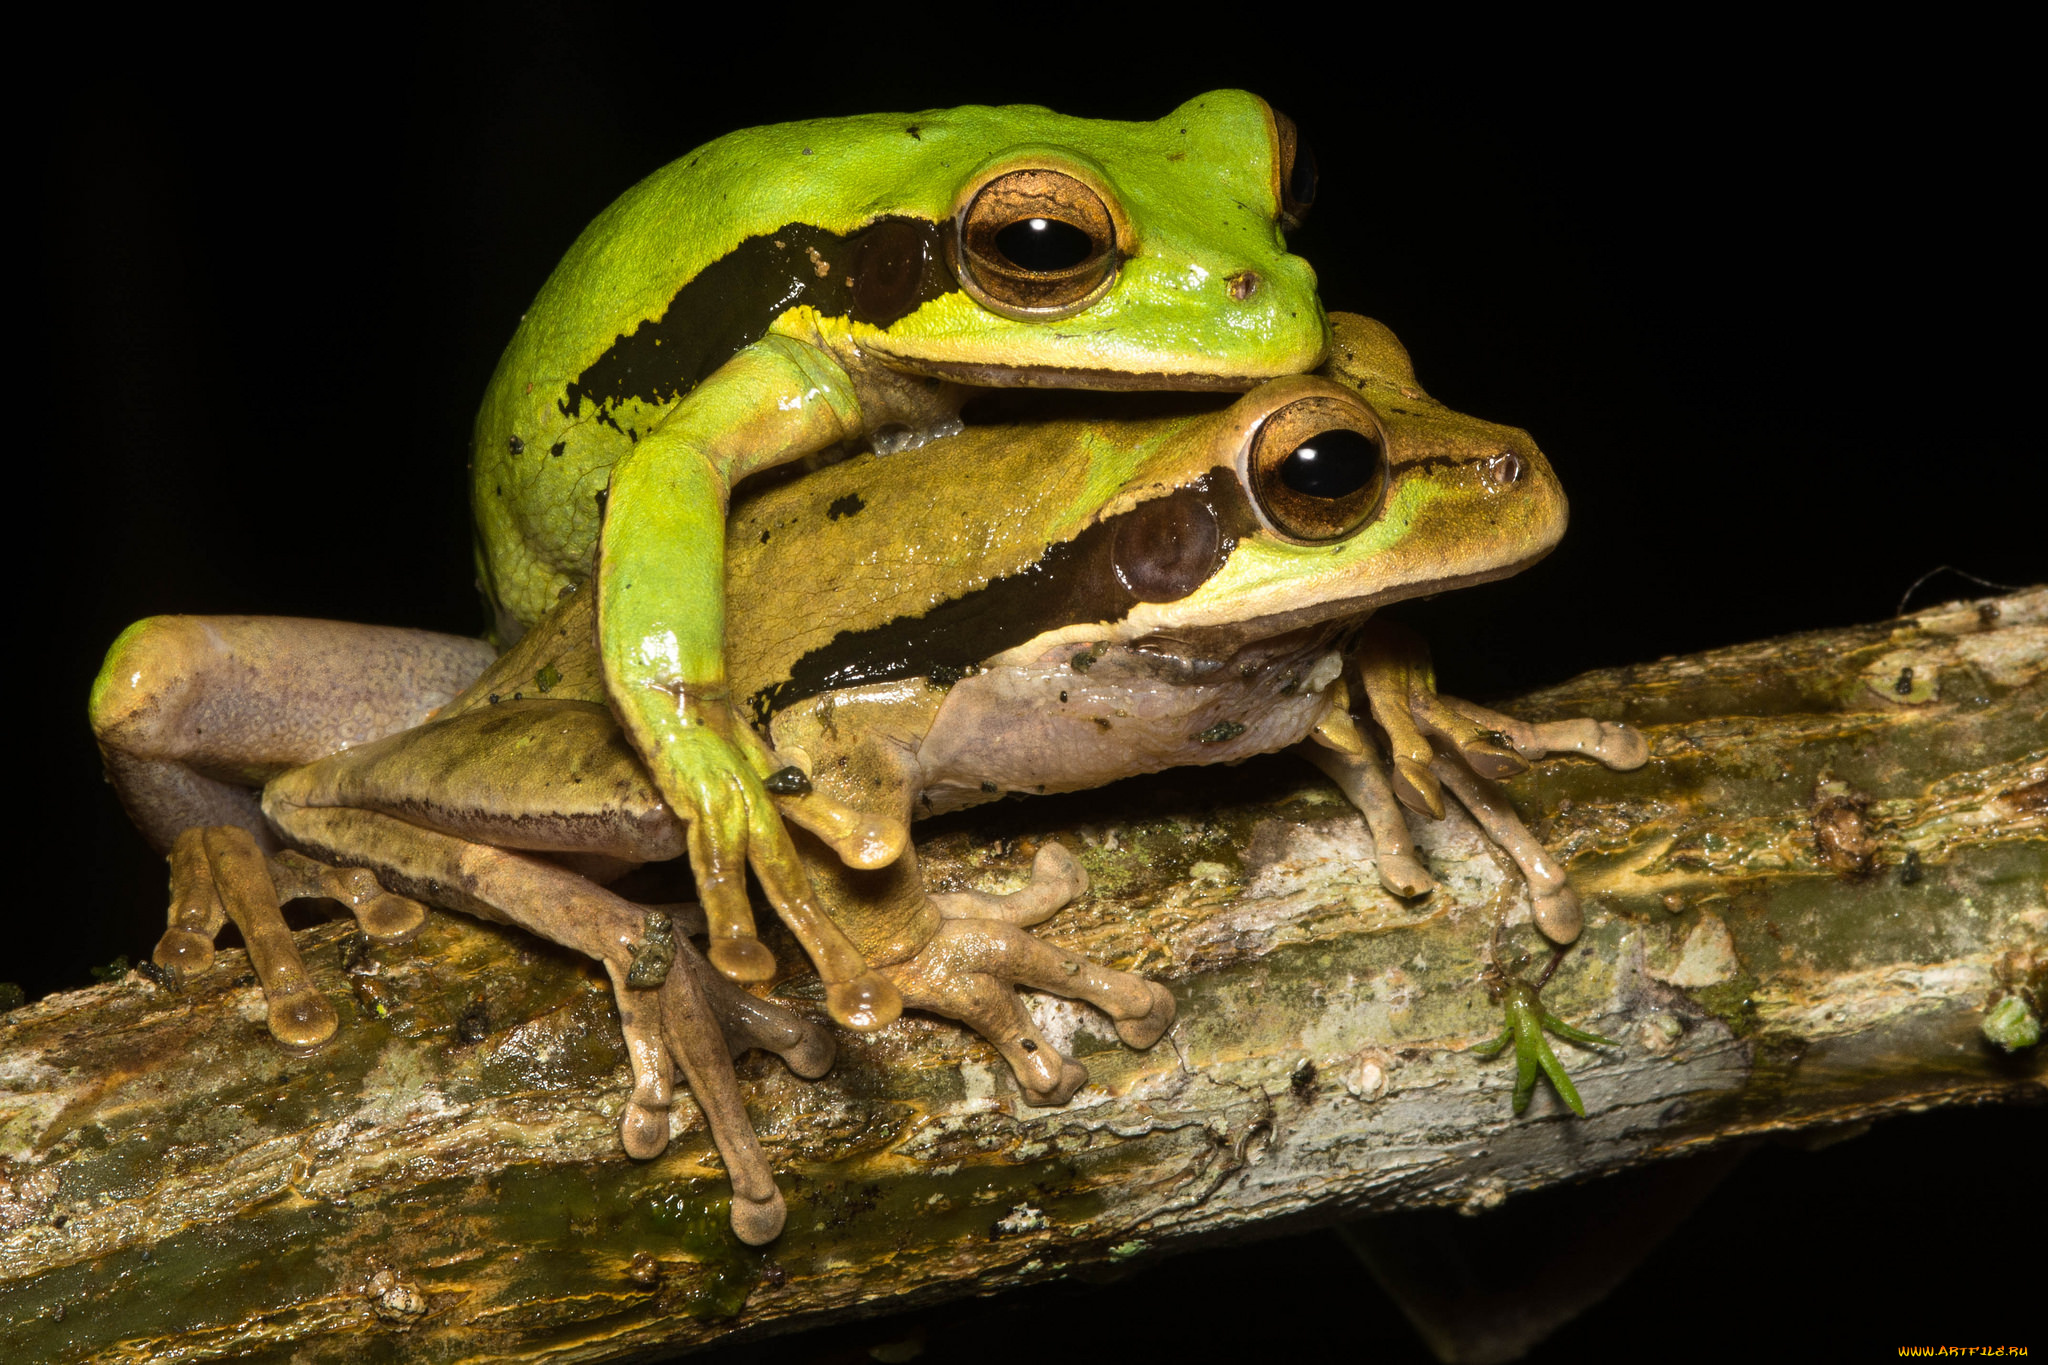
x: 1035, y: 244
x: 1296, y: 166
x: 1317, y: 468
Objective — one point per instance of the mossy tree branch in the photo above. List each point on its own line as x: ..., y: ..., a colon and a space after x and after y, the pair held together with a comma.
x: 1799, y: 914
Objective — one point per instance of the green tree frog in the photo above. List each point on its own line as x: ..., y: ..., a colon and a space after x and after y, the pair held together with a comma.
x: 784, y: 290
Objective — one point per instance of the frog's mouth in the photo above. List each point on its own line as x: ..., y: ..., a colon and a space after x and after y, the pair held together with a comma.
x: 987, y: 376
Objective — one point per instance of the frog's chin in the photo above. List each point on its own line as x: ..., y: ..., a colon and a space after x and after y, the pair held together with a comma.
x: 992, y: 376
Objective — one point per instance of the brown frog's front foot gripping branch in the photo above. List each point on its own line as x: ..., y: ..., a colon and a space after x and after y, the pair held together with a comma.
x: 1440, y: 742
x: 971, y: 968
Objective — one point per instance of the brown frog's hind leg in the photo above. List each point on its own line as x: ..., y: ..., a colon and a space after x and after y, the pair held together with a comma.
x: 667, y: 1020
x: 382, y: 916
x: 691, y: 1027
x: 751, y: 1022
x: 192, y: 713
x: 219, y: 873
x: 971, y: 967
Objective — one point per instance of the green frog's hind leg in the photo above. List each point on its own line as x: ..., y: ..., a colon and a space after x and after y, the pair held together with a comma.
x: 667, y: 1022
x: 971, y: 968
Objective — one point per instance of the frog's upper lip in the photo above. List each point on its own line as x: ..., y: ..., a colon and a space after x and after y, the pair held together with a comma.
x: 1070, y: 377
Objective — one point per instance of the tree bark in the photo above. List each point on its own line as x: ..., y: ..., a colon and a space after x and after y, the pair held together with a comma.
x: 1830, y: 880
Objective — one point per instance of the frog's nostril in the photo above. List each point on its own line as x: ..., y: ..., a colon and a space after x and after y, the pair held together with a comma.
x: 1502, y: 469
x: 1242, y: 285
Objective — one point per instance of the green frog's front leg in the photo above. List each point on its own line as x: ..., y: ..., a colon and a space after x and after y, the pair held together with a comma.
x: 661, y: 636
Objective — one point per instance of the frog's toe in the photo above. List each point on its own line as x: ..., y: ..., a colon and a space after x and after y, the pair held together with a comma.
x: 184, y: 953
x: 301, y: 1019
x: 1147, y: 1029
x: 1071, y: 1077
x: 196, y: 912
x: 382, y: 916
x: 718, y: 861
x: 742, y: 959
x: 1363, y: 778
x: 390, y: 919
x: 1404, y: 875
x: 643, y: 1131
x: 750, y: 1022
x: 1057, y: 881
x: 758, y: 1222
x: 812, y: 1055
x: 864, y: 1004
x: 1621, y: 747
x: 1618, y: 745
x: 1492, y: 756
x: 696, y: 1041
x: 860, y: 839
x: 1559, y: 915
x: 238, y: 870
x: 643, y: 1124
x: 1417, y: 788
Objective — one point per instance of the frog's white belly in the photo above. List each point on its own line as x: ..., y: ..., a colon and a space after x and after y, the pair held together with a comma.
x: 1048, y: 727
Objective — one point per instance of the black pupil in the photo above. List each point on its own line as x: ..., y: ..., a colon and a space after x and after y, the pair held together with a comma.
x: 1301, y: 180
x: 1332, y: 464
x: 1044, y: 244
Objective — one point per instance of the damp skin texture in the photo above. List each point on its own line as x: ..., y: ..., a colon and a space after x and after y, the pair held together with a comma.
x: 1134, y: 608
x: 790, y: 289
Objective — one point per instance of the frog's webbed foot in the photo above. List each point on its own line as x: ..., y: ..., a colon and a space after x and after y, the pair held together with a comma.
x: 971, y: 968
x: 1438, y: 742
x: 220, y: 873
x: 1527, y: 1021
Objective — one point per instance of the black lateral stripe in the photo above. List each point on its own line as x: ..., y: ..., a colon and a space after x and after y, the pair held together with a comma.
x: 882, y: 273
x: 1074, y: 582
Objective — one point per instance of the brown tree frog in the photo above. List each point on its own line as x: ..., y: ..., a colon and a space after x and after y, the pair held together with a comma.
x: 1180, y: 588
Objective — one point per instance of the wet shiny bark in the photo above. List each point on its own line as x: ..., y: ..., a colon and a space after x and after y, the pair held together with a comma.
x: 1798, y: 915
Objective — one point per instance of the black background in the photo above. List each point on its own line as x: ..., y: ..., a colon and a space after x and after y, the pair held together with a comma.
x: 1764, y: 301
